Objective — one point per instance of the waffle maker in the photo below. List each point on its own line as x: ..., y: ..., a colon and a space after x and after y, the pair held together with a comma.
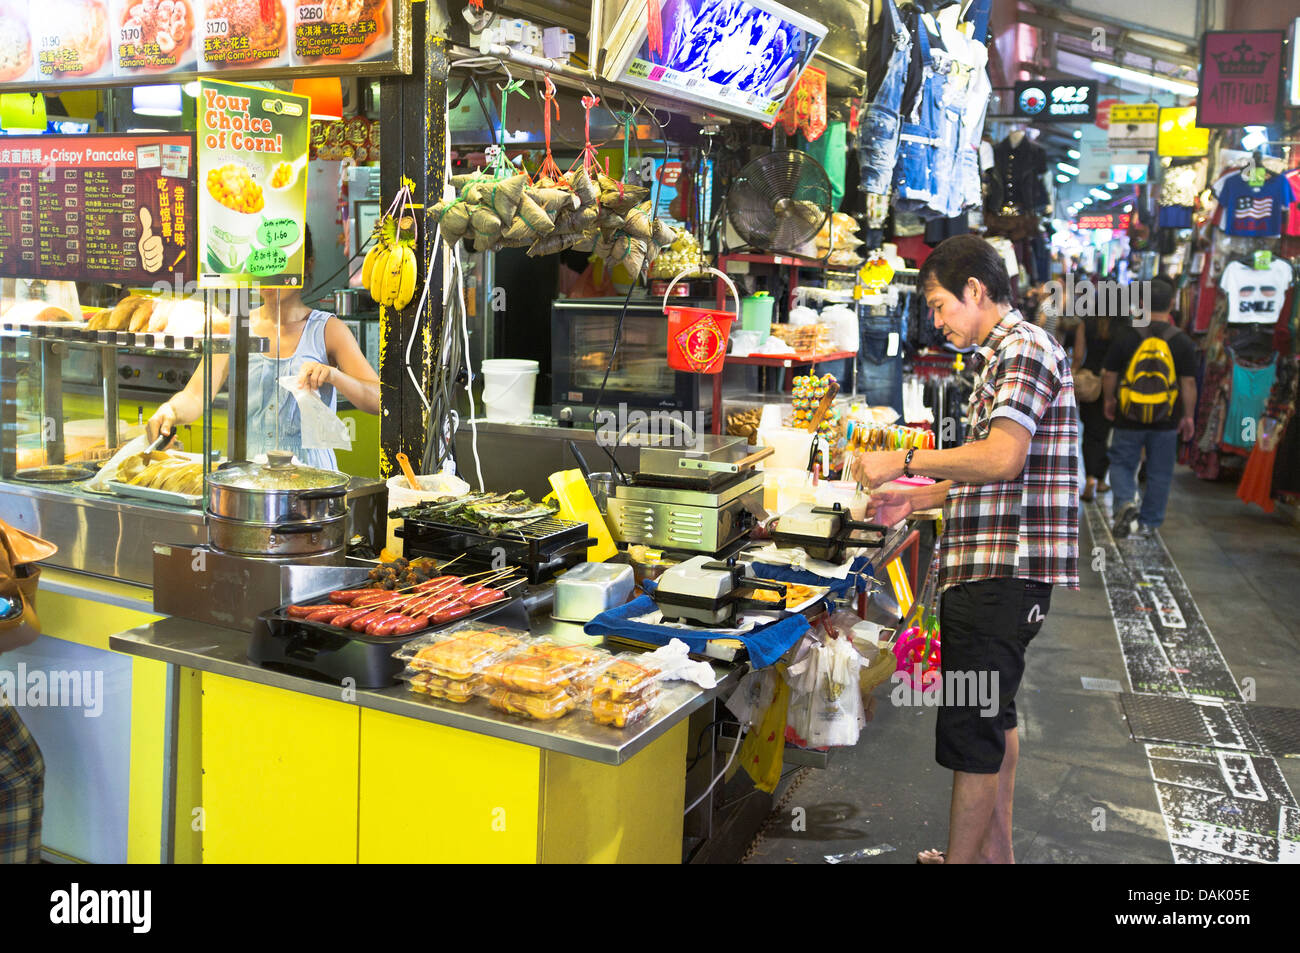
x: 824, y: 532
x: 708, y: 592
x: 699, y: 498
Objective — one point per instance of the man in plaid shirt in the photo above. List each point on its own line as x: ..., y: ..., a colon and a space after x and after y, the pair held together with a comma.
x: 1011, y: 529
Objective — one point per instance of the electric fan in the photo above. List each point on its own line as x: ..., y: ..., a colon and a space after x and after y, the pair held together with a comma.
x: 779, y: 201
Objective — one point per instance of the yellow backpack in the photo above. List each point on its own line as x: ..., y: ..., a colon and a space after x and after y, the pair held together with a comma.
x: 1149, y: 389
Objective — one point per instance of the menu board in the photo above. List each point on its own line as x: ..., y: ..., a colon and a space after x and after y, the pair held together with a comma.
x: 89, y: 42
x: 111, y: 208
x: 253, y: 175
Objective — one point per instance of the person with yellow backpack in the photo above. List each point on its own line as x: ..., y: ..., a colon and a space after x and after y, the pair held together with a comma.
x: 1149, y: 384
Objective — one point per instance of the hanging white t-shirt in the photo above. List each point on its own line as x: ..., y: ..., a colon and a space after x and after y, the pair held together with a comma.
x: 1256, y: 296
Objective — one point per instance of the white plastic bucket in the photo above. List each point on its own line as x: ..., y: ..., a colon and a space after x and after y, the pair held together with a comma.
x: 508, y: 387
x: 432, y: 487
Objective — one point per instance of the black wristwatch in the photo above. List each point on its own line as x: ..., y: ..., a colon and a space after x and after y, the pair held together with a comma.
x: 907, y: 463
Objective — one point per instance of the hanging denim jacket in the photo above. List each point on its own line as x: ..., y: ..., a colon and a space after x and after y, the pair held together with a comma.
x: 878, y: 149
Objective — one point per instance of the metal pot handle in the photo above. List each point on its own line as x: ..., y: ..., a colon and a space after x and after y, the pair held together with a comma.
x: 328, y: 493
x: 289, y: 529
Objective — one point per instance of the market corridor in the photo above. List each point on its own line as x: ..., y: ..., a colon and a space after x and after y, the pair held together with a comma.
x: 1086, y: 792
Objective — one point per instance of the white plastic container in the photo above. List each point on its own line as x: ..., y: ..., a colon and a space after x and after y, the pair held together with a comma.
x: 508, y: 388
x: 792, y: 447
x: 432, y: 487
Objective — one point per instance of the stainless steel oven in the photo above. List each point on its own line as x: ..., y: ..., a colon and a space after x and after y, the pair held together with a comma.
x: 582, y: 337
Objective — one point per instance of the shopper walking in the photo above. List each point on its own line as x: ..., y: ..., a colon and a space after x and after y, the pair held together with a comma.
x: 1011, y: 525
x: 1092, y: 339
x: 1149, y: 385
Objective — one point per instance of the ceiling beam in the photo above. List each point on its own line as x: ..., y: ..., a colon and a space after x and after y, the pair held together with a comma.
x: 1048, y: 6
x: 1052, y: 26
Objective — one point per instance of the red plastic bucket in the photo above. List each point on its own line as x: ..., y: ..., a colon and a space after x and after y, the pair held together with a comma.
x: 697, y: 337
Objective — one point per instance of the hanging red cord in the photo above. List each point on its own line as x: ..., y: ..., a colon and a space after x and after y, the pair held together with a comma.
x: 589, y: 151
x: 654, y: 25
x: 548, y: 169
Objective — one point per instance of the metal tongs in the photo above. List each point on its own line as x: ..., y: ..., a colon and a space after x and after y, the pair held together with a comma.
x: 163, y: 439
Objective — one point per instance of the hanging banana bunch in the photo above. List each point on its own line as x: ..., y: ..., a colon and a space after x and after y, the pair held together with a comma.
x: 389, y: 270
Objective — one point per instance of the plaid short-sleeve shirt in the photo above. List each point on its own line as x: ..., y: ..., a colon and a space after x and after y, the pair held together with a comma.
x: 1027, y: 527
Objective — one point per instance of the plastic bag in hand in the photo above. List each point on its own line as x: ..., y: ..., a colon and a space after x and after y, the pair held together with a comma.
x: 321, y: 427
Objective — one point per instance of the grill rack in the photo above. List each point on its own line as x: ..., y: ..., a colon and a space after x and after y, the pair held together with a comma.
x: 541, y: 549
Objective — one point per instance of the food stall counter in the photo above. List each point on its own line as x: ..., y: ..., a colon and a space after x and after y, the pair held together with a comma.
x: 293, y: 769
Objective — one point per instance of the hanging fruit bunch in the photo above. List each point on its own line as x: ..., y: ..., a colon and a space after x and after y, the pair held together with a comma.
x: 583, y: 209
x: 389, y: 270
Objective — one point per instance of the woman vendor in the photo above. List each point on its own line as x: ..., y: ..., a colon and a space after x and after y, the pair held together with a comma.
x: 313, y: 346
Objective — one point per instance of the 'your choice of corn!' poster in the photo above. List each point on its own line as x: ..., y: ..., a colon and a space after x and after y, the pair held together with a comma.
x: 252, y: 150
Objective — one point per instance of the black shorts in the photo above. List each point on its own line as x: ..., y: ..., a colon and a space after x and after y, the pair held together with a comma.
x: 984, y: 628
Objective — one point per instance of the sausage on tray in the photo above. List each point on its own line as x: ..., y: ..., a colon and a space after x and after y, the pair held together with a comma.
x: 360, y: 622
x: 384, y: 624
x: 344, y: 619
x: 345, y: 596
x: 326, y: 613
x: 410, y: 624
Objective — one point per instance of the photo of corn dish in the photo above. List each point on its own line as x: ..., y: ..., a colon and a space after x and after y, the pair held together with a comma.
x: 235, y: 188
x: 282, y: 175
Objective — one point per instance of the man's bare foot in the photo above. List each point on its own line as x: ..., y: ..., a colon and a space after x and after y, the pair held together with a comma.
x: 930, y: 857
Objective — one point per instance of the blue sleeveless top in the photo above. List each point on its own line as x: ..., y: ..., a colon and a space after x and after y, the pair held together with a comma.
x: 268, y: 402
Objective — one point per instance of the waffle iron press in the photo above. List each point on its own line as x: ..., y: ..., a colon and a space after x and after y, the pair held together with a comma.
x: 824, y: 532
x: 708, y: 592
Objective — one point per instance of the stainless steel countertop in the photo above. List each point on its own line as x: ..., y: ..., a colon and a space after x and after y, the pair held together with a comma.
x: 222, y: 651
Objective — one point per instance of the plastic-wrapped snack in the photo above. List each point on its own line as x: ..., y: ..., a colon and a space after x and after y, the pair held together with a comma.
x: 462, y: 652
x: 436, y: 686
x: 606, y: 711
x: 543, y: 667
x: 626, y: 679
x: 538, y: 707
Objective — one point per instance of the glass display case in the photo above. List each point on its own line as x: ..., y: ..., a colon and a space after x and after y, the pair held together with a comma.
x: 72, y: 395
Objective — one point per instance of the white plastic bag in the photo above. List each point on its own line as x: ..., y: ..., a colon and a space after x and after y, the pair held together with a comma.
x: 753, y: 695
x: 321, y: 427
x: 109, y: 470
x: 826, y: 704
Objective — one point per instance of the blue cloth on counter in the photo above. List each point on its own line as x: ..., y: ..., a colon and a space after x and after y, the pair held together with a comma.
x: 766, y: 644
x: 858, y: 579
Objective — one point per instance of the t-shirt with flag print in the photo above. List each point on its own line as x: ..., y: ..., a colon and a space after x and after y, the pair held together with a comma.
x: 1254, y: 212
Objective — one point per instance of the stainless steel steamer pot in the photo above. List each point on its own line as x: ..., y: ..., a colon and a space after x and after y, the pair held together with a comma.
x: 277, y: 493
